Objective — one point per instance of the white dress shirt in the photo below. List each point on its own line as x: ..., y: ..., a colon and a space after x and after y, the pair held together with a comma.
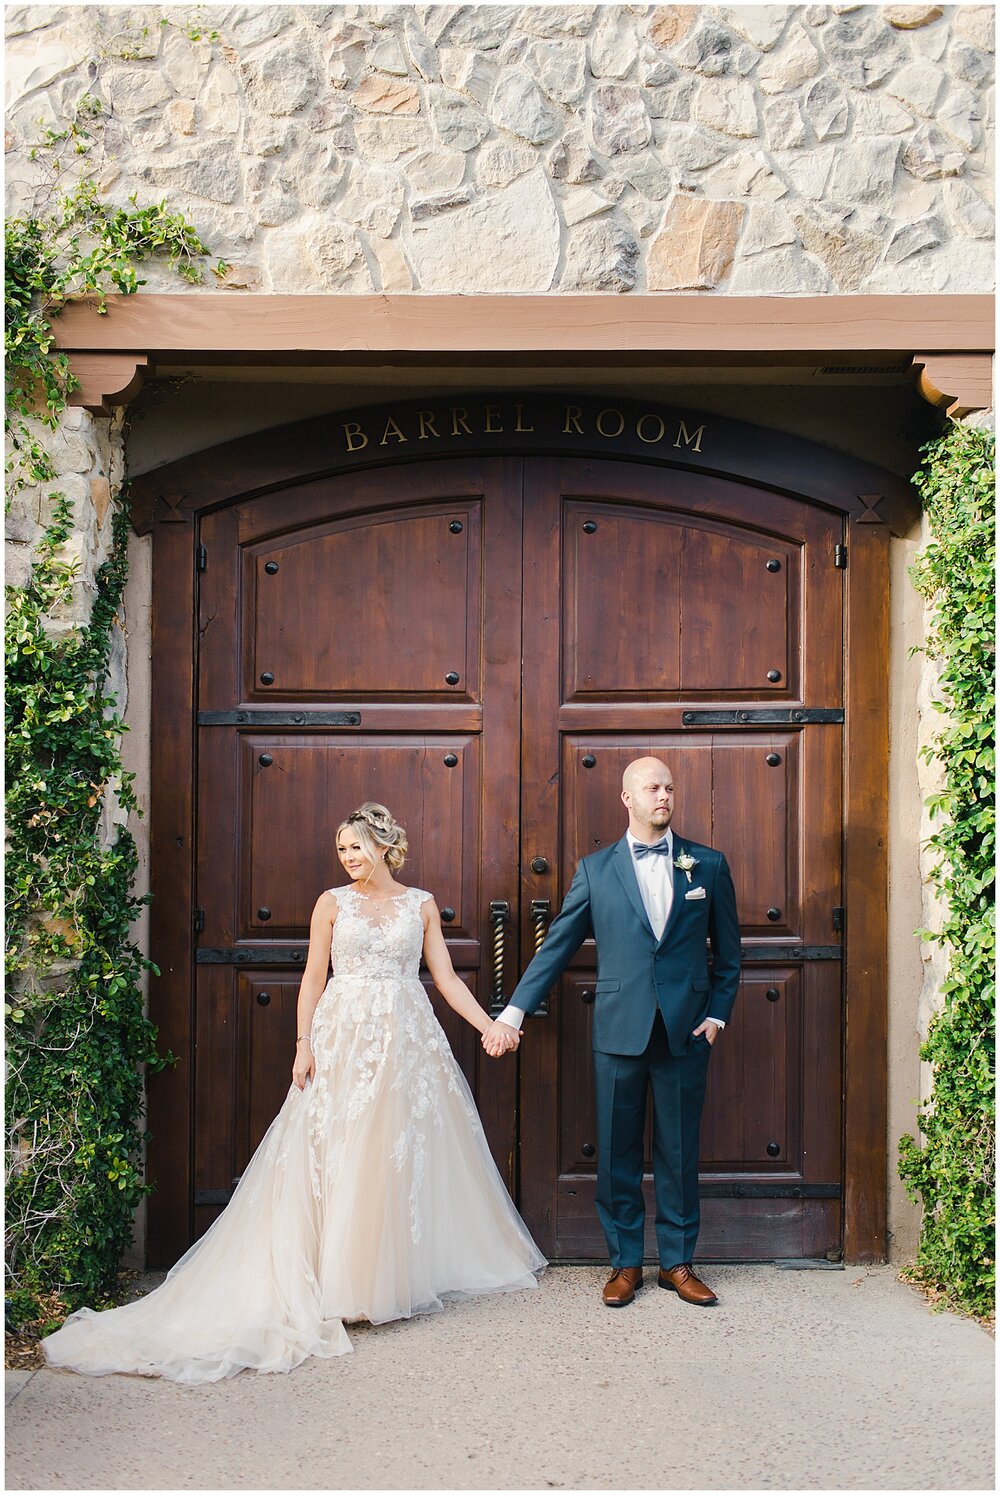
x: 655, y: 876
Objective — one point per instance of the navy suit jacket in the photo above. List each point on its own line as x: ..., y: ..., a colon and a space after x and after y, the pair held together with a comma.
x: 636, y: 973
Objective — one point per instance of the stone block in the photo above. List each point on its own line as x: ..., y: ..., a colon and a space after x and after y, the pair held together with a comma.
x: 324, y: 256
x: 708, y: 49
x: 745, y: 174
x: 864, y: 171
x: 961, y: 116
x: 761, y: 25
x: 914, y: 238
x: 181, y: 116
x: 282, y: 80
x: 807, y: 171
x: 909, y: 17
x: 518, y: 107
x: 977, y: 24
x: 131, y: 91
x: 394, y: 272
x: 671, y: 100
x: 670, y: 23
x: 877, y: 114
x: 459, y: 123
x: 423, y: 54
x: 100, y: 497
x: 239, y: 278
x: 930, y: 155
x: 386, y: 56
x: 648, y: 175
x: 918, y: 87
x: 33, y: 62
x: 614, y: 44
x: 968, y: 65
x: 571, y: 160
x: 183, y: 65
x: 581, y: 203
x: 380, y: 93
x: 827, y: 110
x: 435, y: 170
x: 600, y: 256
x: 483, y: 27
x: 467, y: 72
x: 768, y: 227
x: 793, y: 63
x: 728, y: 105
x: 686, y: 148
x: 848, y: 250
x: 782, y: 271
x: 200, y: 171
x: 440, y: 202
x: 373, y: 199
x: 253, y: 24
x: 695, y: 246
x: 968, y: 212
x: 862, y: 52
x: 559, y: 70
x: 783, y: 124
x: 506, y: 241
x: 557, y: 20
x: 387, y: 138
x: 618, y: 119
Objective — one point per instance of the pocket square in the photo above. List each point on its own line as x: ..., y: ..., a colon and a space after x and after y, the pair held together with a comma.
x: 695, y: 893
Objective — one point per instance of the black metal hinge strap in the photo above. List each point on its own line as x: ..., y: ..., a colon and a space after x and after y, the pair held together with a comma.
x: 255, y: 955
x: 727, y: 1189
x: 780, y: 954
x: 792, y: 716
x: 201, y: 559
x: 279, y: 718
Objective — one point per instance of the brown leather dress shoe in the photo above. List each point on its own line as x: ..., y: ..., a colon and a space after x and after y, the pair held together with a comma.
x: 622, y: 1286
x: 686, y: 1285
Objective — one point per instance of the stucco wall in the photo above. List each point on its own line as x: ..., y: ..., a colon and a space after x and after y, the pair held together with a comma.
x: 770, y: 149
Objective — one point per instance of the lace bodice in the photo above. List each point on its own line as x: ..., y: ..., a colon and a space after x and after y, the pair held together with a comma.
x: 380, y: 941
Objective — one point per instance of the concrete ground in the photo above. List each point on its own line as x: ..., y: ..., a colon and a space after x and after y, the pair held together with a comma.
x: 807, y: 1380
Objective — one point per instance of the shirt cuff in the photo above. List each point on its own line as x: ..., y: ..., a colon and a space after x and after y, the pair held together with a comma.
x: 512, y: 1016
x: 716, y: 1020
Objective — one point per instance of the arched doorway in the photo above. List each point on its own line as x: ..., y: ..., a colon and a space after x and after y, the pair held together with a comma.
x: 484, y: 641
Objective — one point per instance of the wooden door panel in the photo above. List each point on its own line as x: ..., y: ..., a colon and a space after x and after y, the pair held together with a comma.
x: 295, y: 803
x: 377, y: 589
x: 699, y: 609
x: 685, y: 592
x: 382, y: 605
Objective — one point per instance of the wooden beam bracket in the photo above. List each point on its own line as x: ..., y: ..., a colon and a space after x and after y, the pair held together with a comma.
x: 107, y: 379
x: 957, y: 383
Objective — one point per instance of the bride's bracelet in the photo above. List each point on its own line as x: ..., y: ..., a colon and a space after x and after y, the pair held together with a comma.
x: 304, y: 1038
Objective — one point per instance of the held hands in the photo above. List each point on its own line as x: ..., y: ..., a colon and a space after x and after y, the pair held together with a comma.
x: 304, y: 1067
x: 499, y: 1039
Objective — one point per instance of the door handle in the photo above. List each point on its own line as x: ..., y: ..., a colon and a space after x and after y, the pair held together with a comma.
x: 541, y: 908
x: 500, y: 918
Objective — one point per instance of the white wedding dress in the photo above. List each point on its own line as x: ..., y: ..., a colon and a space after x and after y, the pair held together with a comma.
x: 373, y: 1194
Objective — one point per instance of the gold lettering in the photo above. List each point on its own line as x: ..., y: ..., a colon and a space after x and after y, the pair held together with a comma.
x: 573, y: 413
x: 460, y: 417
x: 621, y: 423
x: 490, y: 414
x: 391, y: 429
x: 692, y: 441
x: 648, y: 439
x: 427, y: 419
x: 351, y: 430
x: 518, y: 412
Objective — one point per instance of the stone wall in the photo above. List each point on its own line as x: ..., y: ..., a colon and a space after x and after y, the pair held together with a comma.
x: 776, y: 149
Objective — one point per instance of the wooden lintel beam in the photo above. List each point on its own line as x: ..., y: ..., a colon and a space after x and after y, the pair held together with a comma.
x: 172, y: 327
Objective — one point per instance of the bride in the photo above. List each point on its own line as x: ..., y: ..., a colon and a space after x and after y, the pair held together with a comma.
x: 373, y: 1194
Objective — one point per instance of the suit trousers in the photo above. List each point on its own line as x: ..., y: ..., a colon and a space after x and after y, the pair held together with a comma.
x: 678, y: 1085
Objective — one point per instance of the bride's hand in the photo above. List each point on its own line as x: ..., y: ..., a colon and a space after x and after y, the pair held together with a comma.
x: 304, y: 1067
x: 499, y: 1039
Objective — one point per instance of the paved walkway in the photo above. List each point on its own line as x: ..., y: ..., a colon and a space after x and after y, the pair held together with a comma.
x: 798, y: 1380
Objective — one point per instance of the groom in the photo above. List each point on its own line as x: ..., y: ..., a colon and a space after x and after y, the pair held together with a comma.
x: 651, y: 901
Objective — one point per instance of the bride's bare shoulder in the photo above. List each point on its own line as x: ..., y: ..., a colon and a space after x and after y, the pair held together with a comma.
x: 326, y: 905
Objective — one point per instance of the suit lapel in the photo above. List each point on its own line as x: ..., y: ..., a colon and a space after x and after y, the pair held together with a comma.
x: 625, y: 868
x: 680, y: 888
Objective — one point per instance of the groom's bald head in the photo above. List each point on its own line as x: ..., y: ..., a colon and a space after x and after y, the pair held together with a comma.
x: 648, y: 795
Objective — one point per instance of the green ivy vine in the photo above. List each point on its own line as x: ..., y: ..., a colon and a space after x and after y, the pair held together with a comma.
x: 952, y: 1170
x: 76, y: 1033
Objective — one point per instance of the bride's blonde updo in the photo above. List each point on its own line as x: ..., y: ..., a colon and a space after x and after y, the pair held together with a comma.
x: 379, y: 832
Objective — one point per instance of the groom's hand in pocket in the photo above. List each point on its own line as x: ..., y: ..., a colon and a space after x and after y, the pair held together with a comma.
x: 499, y: 1039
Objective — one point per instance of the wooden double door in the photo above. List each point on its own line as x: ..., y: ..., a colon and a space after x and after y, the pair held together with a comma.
x: 483, y: 644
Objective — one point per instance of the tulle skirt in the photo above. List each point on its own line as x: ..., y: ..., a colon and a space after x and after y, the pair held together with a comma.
x: 373, y: 1196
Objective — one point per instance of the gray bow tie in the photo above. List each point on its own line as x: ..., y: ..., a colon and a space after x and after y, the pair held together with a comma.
x: 661, y: 849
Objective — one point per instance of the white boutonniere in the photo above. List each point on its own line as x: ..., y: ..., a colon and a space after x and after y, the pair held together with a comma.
x: 685, y: 863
